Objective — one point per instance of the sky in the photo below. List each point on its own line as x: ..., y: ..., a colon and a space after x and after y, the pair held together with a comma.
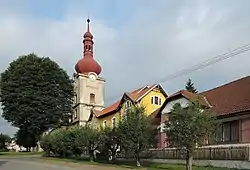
x: 137, y: 42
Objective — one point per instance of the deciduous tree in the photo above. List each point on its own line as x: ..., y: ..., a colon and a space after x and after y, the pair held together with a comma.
x: 187, y: 127
x: 111, y: 141
x: 136, y: 132
x: 36, y: 94
x: 90, y: 139
x: 4, y: 140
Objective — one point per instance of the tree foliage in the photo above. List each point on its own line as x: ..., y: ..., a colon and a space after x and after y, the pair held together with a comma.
x: 36, y: 94
x: 73, y: 141
x: 190, y: 86
x: 189, y: 127
x: 111, y: 141
x: 26, y: 138
x: 136, y: 132
x: 4, y: 140
x: 92, y: 139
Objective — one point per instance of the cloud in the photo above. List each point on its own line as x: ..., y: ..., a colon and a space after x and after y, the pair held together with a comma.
x: 154, y: 40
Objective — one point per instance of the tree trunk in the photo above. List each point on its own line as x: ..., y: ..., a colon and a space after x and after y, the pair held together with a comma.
x: 138, y: 164
x: 91, y: 156
x: 189, y: 161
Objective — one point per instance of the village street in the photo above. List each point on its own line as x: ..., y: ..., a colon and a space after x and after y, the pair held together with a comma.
x: 38, y: 164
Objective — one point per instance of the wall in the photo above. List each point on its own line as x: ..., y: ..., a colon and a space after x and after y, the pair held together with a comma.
x: 83, y: 87
x: 108, y: 119
x: 164, y: 117
x: 245, y: 130
x: 146, y: 101
x: 183, y: 102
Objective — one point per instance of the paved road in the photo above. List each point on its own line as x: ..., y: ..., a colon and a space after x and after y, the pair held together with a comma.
x: 34, y: 164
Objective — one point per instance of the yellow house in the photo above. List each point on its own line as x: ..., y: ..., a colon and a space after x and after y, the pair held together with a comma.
x: 151, y: 97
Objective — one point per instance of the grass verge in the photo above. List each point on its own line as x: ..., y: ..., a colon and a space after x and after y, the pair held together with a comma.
x: 131, y: 164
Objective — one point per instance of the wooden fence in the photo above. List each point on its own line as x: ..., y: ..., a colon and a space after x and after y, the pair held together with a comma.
x: 217, y: 153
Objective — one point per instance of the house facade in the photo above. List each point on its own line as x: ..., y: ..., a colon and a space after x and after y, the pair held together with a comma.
x: 229, y: 102
x: 150, y: 97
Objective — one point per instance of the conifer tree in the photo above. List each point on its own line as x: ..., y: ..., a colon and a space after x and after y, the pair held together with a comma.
x: 190, y: 86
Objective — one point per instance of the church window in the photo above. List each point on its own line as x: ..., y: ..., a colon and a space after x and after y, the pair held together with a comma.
x: 75, y: 98
x: 75, y: 114
x: 152, y: 100
x: 113, y: 122
x: 92, y: 98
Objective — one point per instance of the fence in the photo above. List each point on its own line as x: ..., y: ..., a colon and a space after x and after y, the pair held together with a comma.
x: 216, y: 153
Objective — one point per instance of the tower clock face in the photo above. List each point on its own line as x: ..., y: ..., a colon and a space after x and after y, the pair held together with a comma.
x: 92, y: 77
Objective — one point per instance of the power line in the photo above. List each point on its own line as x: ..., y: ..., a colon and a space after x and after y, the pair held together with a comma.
x: 206, y: 63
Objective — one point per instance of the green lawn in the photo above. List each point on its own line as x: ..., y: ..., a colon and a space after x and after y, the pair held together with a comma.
x: 19, y: 153
x: 131, y: 165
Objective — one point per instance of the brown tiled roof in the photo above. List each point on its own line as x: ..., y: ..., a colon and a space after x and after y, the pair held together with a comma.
x: 230, y: 98
x: 190, y: 96
x: 134, y: 95
x: 108, y: 109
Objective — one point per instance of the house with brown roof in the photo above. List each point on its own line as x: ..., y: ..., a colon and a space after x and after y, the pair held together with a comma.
x: 229, y: 102
x: 150, y: 96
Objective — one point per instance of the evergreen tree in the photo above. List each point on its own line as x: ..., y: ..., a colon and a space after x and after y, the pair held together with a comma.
x: 190, y: 86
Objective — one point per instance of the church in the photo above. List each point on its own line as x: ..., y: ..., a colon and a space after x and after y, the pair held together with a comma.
x: 89, y: 88
x: 88, y: 85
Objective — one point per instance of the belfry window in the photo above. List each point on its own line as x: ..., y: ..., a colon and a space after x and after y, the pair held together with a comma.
x: 92, y: 98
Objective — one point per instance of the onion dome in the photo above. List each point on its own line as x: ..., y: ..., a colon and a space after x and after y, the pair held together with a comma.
x: 87, y: 63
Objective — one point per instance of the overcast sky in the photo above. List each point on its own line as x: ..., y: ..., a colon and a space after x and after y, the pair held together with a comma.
x: 137, y: 42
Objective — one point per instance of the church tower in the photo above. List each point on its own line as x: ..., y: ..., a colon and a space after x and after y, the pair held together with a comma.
x: 88, y: 85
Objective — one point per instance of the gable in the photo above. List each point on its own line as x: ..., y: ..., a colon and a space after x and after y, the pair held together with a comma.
x: 184, y: 102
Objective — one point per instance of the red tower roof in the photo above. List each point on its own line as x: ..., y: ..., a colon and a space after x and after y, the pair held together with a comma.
x: 87, y: 63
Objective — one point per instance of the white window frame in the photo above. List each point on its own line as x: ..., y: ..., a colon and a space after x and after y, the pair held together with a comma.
x: 159, y: 101
x: 104, y: 123
x: 128, y: 105
x: 75, y: 113
x: 112, y: 121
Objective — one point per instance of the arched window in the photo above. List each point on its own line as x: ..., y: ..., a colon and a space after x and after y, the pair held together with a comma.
x: 92, y: 98
x: 104, y: 123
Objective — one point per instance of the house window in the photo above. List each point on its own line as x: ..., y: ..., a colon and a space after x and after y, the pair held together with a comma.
x: 156, y: 100
x: 152, y: 100
x: 104, y: 123
x: 128, y: 106
x: 113, y: 122
x: 228, y: 132
x: 92, y: 98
